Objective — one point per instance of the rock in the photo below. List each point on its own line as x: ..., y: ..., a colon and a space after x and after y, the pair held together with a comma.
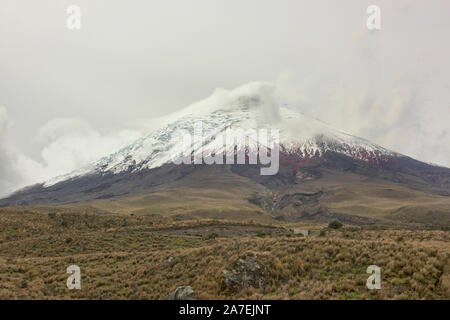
x: 300, y: 231
x: 170, y: 261
x: 247, y: 272
x: 182, y: 293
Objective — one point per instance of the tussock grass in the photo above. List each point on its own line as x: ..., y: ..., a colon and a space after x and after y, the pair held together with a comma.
x: 125, y: 257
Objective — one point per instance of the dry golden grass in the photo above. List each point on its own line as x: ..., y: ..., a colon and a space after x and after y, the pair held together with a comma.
x: 124, y: 257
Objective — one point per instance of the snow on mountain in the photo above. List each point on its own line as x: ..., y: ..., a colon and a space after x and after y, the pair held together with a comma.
x: 249, y: 107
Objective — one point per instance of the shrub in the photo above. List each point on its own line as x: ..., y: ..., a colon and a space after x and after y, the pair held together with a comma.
x: 211, y: 236
x: 260, y: 233
x: 335, y: 224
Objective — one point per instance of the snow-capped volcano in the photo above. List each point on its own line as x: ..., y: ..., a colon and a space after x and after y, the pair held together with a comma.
x: 306, y: 146
x: 299, y: 135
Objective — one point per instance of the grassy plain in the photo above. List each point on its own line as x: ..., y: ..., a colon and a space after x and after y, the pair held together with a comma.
x: 124, y: 256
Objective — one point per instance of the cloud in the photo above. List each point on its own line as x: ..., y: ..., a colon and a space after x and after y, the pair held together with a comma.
x: 259, y: 94
x: 9, y: 176
x: 401, y: 104
x: 68, y: 144
x: 72, y: 143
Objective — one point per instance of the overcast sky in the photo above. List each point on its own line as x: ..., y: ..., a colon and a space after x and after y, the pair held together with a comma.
x: 67, y: 97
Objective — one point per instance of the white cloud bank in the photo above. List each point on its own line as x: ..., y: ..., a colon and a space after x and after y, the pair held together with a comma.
x: 9, y: 177
x: 68, y: 144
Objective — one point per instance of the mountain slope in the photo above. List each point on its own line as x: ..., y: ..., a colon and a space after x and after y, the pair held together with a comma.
x: 315, y: 163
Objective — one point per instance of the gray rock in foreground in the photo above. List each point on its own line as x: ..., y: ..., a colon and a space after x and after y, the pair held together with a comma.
x: 247, y: 272
x: 182, y: 293
x: 170, y: 261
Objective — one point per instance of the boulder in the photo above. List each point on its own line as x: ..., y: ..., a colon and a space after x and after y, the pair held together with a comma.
x: 182, y: 293
x: 300, y: 231
x: 247, y: 272
x: 170, y: 261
